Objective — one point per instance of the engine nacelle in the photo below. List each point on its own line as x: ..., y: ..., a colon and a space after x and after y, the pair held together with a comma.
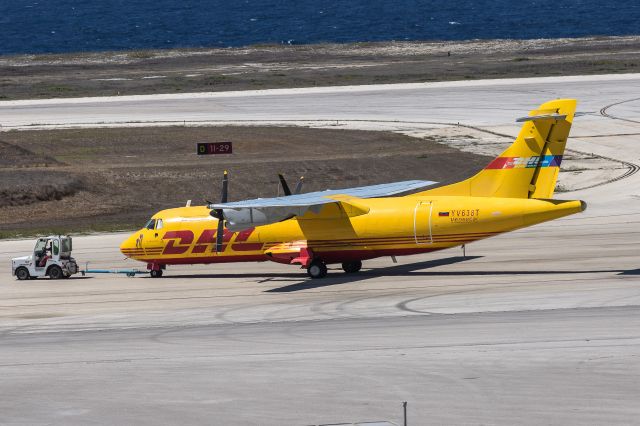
x: 240, y: 219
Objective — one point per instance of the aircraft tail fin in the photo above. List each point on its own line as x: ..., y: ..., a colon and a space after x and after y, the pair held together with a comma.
x: 529, y: 167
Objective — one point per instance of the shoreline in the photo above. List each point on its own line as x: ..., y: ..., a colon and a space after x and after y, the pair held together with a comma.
x: 141, y: 72
x: 387, y: 48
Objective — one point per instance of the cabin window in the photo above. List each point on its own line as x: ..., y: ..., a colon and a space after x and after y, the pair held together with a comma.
x: 66, y: 245
x: 151, y: 224
x: 159, y: 224
x: 56, y: 247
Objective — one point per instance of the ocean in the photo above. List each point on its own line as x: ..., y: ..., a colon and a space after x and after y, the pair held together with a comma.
x: 54, y: 26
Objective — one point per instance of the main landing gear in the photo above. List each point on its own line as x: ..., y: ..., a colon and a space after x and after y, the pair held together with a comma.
x: 318, y: 269
x: 352, y: 267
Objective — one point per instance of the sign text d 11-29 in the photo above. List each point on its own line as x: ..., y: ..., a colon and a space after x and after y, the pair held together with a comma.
x: 208, y: 148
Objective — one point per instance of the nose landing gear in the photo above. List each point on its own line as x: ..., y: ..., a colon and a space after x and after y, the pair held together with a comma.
x: 156, y: 269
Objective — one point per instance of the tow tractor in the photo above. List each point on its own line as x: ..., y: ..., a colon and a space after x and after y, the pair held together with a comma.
x: 51, y: 257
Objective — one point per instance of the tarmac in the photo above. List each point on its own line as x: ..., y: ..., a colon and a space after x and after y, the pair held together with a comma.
x: 538, y: 326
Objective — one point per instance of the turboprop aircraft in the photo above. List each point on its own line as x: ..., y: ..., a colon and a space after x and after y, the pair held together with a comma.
x: 348, y: 226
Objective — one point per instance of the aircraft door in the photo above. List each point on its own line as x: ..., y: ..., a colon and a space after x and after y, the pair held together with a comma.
x: 55, y: 249
x: 423, y: 222
x: 152, y: 235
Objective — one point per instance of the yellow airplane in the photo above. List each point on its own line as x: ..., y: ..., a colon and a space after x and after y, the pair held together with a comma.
x: 351, y: 225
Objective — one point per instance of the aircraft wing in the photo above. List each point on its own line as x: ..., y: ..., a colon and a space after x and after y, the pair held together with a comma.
x: 261, y: 211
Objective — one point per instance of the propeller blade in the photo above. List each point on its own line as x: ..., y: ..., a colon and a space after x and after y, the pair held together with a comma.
x: 299, y: 185
x: 220, y: 234
x: 285, y: 187
x: 225, y: 187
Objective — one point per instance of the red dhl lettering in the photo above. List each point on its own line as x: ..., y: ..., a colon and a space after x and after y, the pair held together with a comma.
x: 208, y: 238
x: 179, y: 242
x: 185, y: 239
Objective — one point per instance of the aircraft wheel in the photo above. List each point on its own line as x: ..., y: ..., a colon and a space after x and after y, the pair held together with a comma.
x: 352, y: 267
x: 156, y: 273
x: 55, y: 273
x: 317, y: 269
x: 22, y: 274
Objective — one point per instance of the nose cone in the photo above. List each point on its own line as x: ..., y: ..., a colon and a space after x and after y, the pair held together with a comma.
x: 130, y: 246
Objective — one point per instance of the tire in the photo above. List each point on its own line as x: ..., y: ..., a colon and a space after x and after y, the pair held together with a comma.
x: 22, y: 274
x: 156, y: 273
x: 55, y: 273
x: 352, y: 267
x: 317, y: 269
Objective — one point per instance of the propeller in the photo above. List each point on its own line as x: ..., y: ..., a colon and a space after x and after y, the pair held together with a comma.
x: 285, y: 187
x: 299, y: 185
x: 219, y: 214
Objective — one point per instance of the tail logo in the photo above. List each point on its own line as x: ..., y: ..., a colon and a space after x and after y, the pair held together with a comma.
x: 525, y: 162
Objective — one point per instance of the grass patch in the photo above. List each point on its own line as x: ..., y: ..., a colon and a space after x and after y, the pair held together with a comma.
x: 140, y: 54
x: 60, y: 89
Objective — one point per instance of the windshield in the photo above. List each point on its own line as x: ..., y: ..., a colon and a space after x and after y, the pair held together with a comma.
x: 40, y: 245
x: 151, y: 224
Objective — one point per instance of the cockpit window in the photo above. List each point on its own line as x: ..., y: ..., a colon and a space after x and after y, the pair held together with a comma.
x: 151, y: 224
x: 159, y: 224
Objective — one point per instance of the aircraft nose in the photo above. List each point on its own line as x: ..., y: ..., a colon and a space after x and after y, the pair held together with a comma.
x: 129, y: 246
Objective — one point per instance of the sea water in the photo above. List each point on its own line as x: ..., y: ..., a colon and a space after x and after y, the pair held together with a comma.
x: 51, y: 26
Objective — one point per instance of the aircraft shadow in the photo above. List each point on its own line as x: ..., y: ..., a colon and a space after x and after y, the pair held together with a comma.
x: 398, y: 270
x: 417, y: 269
x: 333, y: 273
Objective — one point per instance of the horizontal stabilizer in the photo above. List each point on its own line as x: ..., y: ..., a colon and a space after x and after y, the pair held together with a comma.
x: 541, y: 117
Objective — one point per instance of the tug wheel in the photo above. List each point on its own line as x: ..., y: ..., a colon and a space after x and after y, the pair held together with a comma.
x: 22, y: 274
x: 156, y: 273
x: 55, y: 273
x: 317, y: 269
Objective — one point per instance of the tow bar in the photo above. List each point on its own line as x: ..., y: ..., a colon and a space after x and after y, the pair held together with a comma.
x: 128, y: 272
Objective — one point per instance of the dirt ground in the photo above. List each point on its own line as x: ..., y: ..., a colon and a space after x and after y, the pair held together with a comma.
x: 263, y: 67
x: 108, y: 179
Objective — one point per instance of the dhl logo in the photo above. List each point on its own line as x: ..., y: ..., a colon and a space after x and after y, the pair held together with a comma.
x: 179, y: 242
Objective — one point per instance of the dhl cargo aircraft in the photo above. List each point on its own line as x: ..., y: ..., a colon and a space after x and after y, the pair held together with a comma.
x: 348, y: 226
